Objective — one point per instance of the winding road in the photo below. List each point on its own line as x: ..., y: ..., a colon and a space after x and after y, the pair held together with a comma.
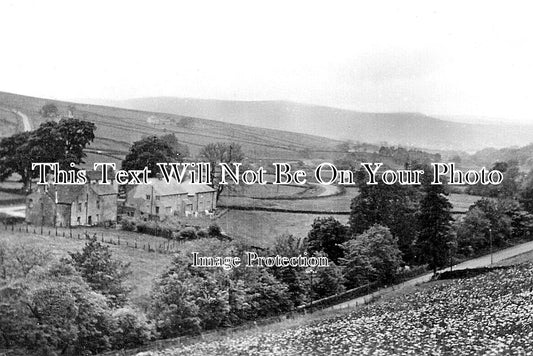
x: 482, y: 261
x: 25, y: 120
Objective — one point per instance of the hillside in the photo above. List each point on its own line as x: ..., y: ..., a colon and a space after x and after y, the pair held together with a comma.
x: 412, y: 129
x: 485, y: 315
x: 117, y: 128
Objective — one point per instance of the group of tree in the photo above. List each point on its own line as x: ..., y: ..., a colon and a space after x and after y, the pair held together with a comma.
x: 151, y: 150
x: 391, y: 226
x: 62, y: 142
x: 77, y: 305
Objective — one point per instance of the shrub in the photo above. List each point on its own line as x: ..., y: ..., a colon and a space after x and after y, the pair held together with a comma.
x: 202, y: 233
x: 132, y: 329
x: 214, y: 230
x: 128, y: 225
x: 189, y: 233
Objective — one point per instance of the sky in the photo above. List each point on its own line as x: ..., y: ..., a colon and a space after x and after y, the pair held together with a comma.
x: 462, y: 58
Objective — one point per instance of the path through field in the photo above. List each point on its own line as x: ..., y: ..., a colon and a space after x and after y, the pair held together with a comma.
x: 25, y: 120
x: 482, y: 261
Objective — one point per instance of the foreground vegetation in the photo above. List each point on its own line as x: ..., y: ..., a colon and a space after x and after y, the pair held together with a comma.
x: 487, y: 314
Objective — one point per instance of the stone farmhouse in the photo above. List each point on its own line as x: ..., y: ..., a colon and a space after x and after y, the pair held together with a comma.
x: 161, y: 199
x: 97, y: 204
x: 72, y: 205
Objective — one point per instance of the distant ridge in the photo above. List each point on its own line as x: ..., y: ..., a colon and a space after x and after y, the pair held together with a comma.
x: 117, y: 128
x: 407, y: 129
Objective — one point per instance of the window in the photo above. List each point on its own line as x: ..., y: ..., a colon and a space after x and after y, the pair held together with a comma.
x: 30, y: 203
x: 79, y: 206
x: 147, y: 196
x: 157, y: 197
x: 98, y: 204
x: 157, y: 210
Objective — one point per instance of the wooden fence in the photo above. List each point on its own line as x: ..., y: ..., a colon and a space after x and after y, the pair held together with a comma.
x: 166, y: 247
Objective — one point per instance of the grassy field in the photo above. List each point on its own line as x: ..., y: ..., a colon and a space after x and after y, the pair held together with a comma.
x: 269, y: 191
x: 263, y: 227
x: 460, y: 202
x: 319, y: 204
x: 485, y: 315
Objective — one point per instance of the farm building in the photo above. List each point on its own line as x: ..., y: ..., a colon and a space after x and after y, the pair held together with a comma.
x: 162, y: 199
x: 72, y: 205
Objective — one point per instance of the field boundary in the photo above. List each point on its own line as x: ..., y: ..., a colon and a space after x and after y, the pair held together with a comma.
x: 298, y: 211
x: 167, y: 248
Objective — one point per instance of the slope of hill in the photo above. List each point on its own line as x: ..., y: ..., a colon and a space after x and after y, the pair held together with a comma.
x: 489, y: 314
x: 117, y: 128
x: 412, y: 129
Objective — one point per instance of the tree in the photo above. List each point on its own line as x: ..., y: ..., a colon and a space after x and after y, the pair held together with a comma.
x: 147, y: 152
x: 62, y: 142
x: 327, y: 235
x: 393, y: 206
x: 220, y: 152
x: 372, y: 256
x: 132, y: 329
x: 15, y: 157
x: 55, y: 310
x: 472, y: 232
x: 180, y: 150
x: 509, y: 187
x: 294, y: 277
x: 49, y: 110
x: 434, y: 226
x: 327, y: 281
x: 102, y: 272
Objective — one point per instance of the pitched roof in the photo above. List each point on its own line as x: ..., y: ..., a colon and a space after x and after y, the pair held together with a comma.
x: 104, y: 189
x: 162, y: 188
x: 66, y: 193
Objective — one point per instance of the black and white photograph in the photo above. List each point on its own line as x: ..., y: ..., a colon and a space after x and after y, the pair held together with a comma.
x: 266, y: 178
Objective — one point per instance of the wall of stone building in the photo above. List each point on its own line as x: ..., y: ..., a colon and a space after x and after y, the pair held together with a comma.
x: 62, y: 215
x: 108, y: 208
x: 205, y: 201
x: 40, y: 209
x: 78, y: 211
x: 171, y: 205
x: 93, y: 209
